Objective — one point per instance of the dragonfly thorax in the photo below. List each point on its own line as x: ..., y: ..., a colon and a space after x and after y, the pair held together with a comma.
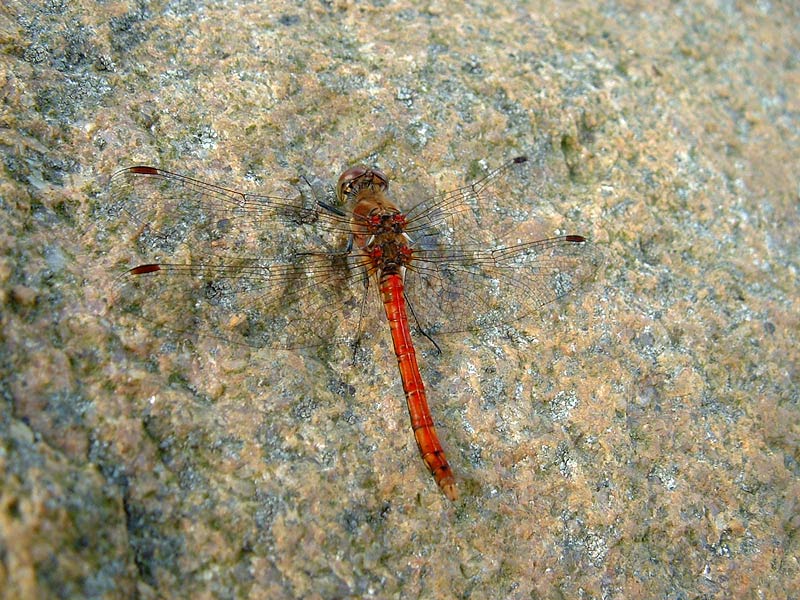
x: 388, y: 253
x: 376, y: 221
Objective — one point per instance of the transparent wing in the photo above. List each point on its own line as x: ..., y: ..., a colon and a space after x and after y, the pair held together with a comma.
x: 270, y: 271
x: 462, y: 278
x: 444, y: 215
x: 257, y: 270
x: 467, y: 288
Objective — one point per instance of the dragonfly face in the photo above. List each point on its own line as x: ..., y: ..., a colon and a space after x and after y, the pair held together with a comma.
x: 359, y: 177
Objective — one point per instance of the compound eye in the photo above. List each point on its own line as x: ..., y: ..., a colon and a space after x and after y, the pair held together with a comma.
x: 347, y: 178
x: 379, y: 179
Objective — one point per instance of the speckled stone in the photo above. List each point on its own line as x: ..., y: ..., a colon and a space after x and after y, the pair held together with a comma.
x: 639, y: 440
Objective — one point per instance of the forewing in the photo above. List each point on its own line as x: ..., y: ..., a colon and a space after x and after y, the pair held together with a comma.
x: 456, y: 214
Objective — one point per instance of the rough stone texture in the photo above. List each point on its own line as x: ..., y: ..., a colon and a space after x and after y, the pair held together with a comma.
x: 639, y: 441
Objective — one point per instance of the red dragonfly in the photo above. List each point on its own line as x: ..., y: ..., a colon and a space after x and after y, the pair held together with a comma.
x: 282, y: 272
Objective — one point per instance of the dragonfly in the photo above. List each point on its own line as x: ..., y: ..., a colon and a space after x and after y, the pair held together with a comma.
x: 292, y: 272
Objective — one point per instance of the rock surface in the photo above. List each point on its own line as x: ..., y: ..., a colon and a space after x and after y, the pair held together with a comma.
x: 637, y: 441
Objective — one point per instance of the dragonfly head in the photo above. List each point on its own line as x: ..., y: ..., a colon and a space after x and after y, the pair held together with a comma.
x: 355, y: 179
